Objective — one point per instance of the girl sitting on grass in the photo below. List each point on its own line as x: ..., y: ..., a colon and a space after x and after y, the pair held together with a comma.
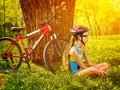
x: 74, y: 53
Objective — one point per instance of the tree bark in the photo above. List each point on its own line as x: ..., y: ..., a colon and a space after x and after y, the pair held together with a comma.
x: 36, y: 11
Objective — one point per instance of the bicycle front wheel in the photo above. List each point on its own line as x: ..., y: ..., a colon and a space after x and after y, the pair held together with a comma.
x: 52, y: 54
x: 10, y: 55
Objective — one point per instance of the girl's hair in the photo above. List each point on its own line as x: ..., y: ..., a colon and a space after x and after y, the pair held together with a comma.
x: 66, y: 55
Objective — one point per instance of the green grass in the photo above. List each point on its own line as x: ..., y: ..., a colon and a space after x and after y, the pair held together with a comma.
x: 102, y: 49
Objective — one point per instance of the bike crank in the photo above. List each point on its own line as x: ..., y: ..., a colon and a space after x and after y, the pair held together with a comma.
x: 26, y: 58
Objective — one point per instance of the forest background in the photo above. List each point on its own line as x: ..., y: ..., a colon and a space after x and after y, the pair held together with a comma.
x: 102, y: 17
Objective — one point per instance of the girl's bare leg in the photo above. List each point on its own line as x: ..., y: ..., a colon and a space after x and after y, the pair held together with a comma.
x: 87, y: 72
x: 93, y: 70
x: 102, y: 66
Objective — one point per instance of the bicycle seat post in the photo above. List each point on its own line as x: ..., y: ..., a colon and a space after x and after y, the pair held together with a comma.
x: 17, y: 34
x: 17, y: 30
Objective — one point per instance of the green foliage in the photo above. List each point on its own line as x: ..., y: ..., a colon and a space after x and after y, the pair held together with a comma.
x: 102, y: 17
x: 38, y: 78
x: 104, y: 47
x: 10, y: 15
x: 10, y: 10
x: 3, y: 78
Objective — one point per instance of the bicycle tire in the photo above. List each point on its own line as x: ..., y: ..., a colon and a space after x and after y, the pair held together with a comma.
x: 51, y: 55
x: 9, y: 64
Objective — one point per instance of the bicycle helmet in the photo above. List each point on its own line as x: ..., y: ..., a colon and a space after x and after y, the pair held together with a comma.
x: 78, y: 30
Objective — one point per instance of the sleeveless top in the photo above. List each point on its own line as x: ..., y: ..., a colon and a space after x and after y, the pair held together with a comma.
x: 74, y: 67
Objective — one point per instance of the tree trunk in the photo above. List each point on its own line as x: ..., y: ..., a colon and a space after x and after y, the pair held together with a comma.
x: 88, y: 19
x: 36, y: 11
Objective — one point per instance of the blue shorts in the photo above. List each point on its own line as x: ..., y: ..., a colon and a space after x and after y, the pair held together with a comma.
x: 75, y: 72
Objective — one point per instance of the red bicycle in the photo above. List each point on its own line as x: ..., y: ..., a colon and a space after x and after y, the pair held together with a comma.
x: 11, y: 54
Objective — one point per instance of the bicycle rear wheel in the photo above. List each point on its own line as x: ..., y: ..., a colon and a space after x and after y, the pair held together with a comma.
x: 9, y: 59
x: 52, y: 54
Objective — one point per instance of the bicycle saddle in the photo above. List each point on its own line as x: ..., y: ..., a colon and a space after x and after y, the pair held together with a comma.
x: 17, y: 29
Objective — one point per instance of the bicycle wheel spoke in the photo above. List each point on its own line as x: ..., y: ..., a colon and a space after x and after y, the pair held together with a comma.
x: 53, y: 56
x: 8, y: 61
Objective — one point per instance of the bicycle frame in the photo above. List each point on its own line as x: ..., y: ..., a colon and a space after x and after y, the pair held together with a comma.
x: 46, y: 29
x: 16, y: 51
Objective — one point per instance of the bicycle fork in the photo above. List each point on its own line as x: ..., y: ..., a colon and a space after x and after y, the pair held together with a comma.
x: 54, y: 38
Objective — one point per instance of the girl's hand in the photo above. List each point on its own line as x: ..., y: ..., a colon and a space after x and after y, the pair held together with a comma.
x: 102, y: 73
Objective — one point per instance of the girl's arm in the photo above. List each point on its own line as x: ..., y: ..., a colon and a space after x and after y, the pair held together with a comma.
x: 87, y: 58
x: 74, y: 53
